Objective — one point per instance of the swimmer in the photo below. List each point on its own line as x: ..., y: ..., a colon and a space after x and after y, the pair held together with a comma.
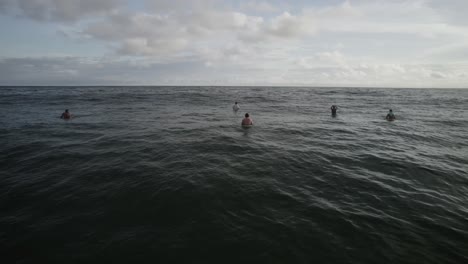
x: 235, y: 107
x: 66, y: 115
x: 390, y: 116
x: 247, y: 121
x: 333, y: 109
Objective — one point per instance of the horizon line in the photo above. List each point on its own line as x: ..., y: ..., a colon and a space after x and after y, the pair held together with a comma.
x: 265, y: 86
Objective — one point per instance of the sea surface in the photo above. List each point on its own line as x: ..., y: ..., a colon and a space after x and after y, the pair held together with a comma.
x: 168, y: 175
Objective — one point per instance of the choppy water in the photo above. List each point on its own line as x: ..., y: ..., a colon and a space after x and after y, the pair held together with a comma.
x: 167, y: 175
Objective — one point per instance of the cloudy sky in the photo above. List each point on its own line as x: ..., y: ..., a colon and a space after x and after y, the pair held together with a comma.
x: 385, y: 43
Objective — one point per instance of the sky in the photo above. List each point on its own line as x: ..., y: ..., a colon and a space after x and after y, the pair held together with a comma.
x: 356, y: 43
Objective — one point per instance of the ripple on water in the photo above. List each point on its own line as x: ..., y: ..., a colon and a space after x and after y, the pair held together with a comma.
x: 167, y: 173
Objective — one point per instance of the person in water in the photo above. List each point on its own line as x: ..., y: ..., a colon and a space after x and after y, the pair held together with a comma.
x: 66, y: 115
x: 390, y: 115
x: 333, y: 109
x: 247, y: 121
x: 235, y: 107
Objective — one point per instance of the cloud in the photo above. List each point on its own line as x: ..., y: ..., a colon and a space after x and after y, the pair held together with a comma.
x: 169, y: 6
x: 92, y: 71
x: 453, y: 52
x: 155, y: 34
x: 58, y: 10
x: 178, y: 26
x: 144, y: 46
x: 437, y: 75
x: 322, y: 59
x: 287, y: 25
x: 353, y: 42
x: 391, y: 17
x: 31, y: 71
x: 451, y: 11
x: 333, y: 67
x: 111, y: 71
x: 259, y: 6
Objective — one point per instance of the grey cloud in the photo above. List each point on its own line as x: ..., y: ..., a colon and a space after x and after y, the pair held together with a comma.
x: 36, y: 71
x: 174, y: 37
x: 143, y: 46
x: 453, y: 11
x: 287, y: 25
x: 169, y: 6
x: 4, y: 4
x: 57, y: 10
x: 259, y: 6
x: 437, y: 75
x: 141, y: 34
x: 122, y: 25
x: 151, y: 34
x: 92, y: 71
x: 454, y: 52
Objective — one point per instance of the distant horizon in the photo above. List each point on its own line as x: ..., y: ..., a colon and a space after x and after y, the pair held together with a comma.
x: 246, y: 86
x: 325, y: 43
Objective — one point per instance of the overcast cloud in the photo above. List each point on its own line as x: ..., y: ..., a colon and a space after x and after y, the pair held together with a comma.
x: 401, y: 43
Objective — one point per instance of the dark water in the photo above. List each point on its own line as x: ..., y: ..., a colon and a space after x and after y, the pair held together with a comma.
x: 167, y: 175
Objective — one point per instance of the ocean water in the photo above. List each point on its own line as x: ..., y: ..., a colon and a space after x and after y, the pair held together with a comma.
x: 167, y: 175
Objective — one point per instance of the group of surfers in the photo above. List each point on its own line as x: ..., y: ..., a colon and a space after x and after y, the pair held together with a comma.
x: 390, y: 116
x: 247, y: 121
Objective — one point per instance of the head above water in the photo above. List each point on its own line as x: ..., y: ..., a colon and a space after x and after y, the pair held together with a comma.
x: 390, y: 110
x: 246, y: 114
x: 66, y: 110
x: 235, y: 103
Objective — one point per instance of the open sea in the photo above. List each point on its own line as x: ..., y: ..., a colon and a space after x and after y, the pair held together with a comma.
x: 168, y: 175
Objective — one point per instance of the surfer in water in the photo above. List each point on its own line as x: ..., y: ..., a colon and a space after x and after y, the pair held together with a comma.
x: 247, y: 121
x: 333, y: 109
x: 235, y: 107
x: 390, y: 116
x: 66, y: 115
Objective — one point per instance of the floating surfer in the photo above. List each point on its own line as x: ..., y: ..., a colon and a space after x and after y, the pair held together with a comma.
x: 247, y: 121
x: 390, y: 116
x: 235, y: 107
x: 66, y: 115
x: 333, y: 110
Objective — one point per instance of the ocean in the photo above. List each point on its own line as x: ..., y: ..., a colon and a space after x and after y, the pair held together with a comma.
x: 168, y: 175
